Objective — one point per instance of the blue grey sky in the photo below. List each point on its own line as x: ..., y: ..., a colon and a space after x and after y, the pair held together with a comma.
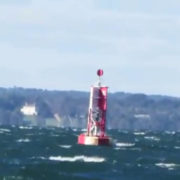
x: 59, y: 44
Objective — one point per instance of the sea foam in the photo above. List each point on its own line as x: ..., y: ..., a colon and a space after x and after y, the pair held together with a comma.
x: 121, y: 144
x: 25, y: 127
x: 77, y: 158
x: 23, y: 140
x: 139, y: 133
x: 65, y: 146
x: 152, y: 138
x: 5, y: 130
x: 169, y: 166
x: 176, y: 147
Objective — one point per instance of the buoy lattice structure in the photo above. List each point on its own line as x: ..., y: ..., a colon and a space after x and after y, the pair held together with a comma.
x: 96, y: 124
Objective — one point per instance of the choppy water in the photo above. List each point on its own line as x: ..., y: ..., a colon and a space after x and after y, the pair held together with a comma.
x: 35, y: 153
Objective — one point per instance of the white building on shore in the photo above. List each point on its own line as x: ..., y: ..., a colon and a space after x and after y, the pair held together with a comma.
x: 29, y: 110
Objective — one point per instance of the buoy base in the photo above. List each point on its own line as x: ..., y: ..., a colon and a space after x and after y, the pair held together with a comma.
x: 94, y: 140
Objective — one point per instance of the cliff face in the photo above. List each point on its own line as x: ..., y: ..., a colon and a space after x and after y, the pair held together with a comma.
x: 69, y: 108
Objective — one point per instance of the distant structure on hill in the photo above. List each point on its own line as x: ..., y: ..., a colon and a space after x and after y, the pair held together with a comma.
x: 29, y: 110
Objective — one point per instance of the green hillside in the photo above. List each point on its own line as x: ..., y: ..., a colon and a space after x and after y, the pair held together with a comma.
x: 69, y: 108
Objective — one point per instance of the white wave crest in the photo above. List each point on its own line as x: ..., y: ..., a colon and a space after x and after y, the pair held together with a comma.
x: 169, y: 166
x: 176, y: 147
x: 170, y: 132
x: 77, y: 158
x: 5, y: 130
x: 120, y: 148
x: 152, y: 138
x: 125, y: 144
x: 65, y: 146
x: 24, y: 127
x: 23, y: 140
x: 54, y: 135
x: 39, y: 157
x: 83, y: 130
x: 139, y: 133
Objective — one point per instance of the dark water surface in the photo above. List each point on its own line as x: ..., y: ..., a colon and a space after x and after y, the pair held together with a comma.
x: 53, y: 153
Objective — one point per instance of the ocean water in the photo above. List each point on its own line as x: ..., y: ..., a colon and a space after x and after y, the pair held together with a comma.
x: 53, y: 153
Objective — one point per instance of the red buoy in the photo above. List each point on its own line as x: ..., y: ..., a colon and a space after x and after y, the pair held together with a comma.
x: 96, y: 124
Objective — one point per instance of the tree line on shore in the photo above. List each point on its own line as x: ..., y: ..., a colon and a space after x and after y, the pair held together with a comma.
x: 125, y: 110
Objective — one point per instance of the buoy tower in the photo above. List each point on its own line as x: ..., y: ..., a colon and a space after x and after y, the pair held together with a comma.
x: 96, y: 124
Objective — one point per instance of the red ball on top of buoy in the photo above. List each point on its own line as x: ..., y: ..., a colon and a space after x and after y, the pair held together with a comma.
x: 100, y: 72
